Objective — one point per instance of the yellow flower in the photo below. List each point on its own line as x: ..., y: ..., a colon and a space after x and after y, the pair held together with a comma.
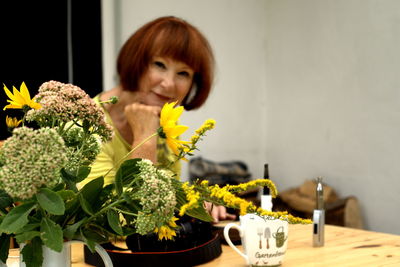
x: 252, y: 184
x: 12, y: 122
x: 172, y: 222
x: 204, y: 183
x: 20, y: 99
x: 165, y: 232
x: 169, y: 129
x: 194, y: 139
x: 207, y: 125
x: 192, y: 196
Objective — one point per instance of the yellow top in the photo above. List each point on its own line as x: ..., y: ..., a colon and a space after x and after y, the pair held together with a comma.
x: 113, y: 151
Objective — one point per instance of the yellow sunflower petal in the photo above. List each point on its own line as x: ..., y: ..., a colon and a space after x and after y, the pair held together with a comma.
x: 177, y: 130
x: 18, y: 97
x: 35, y: 105
x: 24, y: 91
x: 8, y: 92
x: 175, y: 113
x: 173, y: 145
x: 11, y: 106
x: 165, y: 113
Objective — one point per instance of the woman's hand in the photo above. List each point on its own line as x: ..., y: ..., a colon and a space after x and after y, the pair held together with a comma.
x: 144, y: 121
x: 218, y: 212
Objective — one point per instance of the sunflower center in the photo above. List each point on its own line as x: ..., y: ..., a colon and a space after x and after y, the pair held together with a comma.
x: 161, y: 133
x: 26, y: 108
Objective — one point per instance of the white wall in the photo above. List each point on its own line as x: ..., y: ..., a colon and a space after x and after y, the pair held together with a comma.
x: 309, y: 86
x: 333, y: 101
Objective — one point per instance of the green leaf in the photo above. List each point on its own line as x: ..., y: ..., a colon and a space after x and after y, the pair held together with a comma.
x: 90, y: 244
x: 126, y: 172
x: 69, y: 179
x: 76, y: 176
x: 83, y: 172
x: 16, y: 218
x: 50, y: 201
x: 58, y: 187
x: 85, y: 205
x: 92, y: 190
x: 5, y: 199
x: 93, y: 236
x: 26, y: 236
x: 32, y: 253
x: 70, y: 199
x: 28, y: 227
x: 129, y: 231
x: 4, y: 247
x: 51, y: 234
x: 70, y: 231
x: 200, y: 213
x: 118, y: 184
x: 66, y: 195
x: 113, y: 221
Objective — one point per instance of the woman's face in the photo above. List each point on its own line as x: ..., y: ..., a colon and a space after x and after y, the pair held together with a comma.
x: 166, y: 80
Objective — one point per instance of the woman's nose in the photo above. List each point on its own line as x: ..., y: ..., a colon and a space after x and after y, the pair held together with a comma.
x: 168, y: 80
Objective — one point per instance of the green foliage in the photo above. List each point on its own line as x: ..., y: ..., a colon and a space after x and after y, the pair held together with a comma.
x: 16, y: 218
x: 113, y: 221
x: 142, y: 198
x: 4, y: 247
x: 50, y: 201
x: 51, y: 234
x: 26, y: 235
x: 32, y: 253
x: 125, y: 174
x: 5, y: 200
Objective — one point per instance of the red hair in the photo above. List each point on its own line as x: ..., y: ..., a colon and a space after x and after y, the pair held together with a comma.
x: 174, y: 38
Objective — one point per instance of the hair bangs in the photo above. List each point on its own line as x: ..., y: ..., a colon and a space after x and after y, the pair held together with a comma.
x: 178, y: 44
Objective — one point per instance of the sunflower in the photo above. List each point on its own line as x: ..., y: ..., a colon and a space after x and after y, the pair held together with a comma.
x: 20, y: 99
x: 169, y: 128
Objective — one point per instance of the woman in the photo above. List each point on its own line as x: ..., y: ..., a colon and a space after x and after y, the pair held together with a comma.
x: 166, y: 60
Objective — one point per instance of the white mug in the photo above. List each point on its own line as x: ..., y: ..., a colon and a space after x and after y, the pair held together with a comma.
x: 264, y: 239
x: 52, y: 258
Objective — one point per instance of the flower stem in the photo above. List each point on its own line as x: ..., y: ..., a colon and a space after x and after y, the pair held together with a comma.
x: 125, y: 212
x: 110, y: 206
x: 130, y: 152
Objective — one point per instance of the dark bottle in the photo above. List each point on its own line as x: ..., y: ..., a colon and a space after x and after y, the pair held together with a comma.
x: 266, y: 198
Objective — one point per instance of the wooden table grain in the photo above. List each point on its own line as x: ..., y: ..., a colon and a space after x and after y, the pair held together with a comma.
x: 343, y: 247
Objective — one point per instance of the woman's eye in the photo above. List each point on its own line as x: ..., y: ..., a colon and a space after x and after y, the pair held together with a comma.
x: 184, y: 74
x: 159, y: 64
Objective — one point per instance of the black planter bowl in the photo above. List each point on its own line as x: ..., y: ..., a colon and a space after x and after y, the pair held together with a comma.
x: 196, y: 243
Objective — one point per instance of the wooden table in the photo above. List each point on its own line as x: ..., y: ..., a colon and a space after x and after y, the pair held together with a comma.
x: 343, y: 247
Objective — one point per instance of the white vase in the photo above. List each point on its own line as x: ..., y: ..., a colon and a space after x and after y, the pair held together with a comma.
x: 52, y: 258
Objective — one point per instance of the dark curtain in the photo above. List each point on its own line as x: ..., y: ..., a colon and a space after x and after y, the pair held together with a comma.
x: 34, y: 46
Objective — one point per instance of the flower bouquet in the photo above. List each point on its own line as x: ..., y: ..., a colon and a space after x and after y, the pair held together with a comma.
x: 50, y: 152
